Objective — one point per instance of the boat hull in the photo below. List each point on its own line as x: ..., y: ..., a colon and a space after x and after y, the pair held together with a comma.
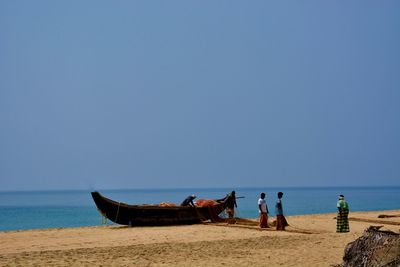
x: 151, y: 215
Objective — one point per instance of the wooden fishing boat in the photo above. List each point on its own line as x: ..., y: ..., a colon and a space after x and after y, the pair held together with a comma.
x: 154, y: 215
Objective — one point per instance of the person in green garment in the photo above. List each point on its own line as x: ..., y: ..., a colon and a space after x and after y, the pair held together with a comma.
x: 342, y: 218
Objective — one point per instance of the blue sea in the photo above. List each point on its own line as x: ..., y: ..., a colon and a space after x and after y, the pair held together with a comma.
x: 57, y: 209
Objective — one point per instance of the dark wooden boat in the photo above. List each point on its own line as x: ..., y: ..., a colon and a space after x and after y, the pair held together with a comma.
x: 154, y: 215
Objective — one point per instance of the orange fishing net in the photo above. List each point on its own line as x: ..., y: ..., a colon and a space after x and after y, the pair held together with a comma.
x: 167, y: 204
x: 211, y: 209
x: 205, y: 202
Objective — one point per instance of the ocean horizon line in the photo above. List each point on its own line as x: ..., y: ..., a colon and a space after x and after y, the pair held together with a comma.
x: 148, y: 189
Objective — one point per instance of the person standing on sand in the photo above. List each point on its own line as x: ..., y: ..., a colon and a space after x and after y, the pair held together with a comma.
x: 281, y: 222
x: 263, y: 209
x: 230, y: 207
x: 342, y: 218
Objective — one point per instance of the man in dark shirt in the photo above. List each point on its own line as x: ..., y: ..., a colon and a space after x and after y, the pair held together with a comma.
x: 230, y: 207
x: 188, y: 201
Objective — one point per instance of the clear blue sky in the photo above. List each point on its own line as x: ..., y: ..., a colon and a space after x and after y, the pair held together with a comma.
x: 163, y: 94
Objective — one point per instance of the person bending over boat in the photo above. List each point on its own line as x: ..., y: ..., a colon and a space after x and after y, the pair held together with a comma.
x: 263, y: 209
x: 188, y: 201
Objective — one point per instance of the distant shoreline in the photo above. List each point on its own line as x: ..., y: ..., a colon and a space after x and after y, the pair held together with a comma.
x: 111, y: 224
x: 56, y: 209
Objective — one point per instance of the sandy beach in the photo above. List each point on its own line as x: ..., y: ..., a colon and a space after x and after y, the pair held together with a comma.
x: 310, y: 240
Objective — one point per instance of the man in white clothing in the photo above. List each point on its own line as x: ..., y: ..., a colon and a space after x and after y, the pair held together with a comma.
x: 263, y: 209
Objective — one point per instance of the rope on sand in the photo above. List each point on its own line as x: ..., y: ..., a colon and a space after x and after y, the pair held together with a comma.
x: 301, y: 231
x: 254, y: 225
x: 270, y: 229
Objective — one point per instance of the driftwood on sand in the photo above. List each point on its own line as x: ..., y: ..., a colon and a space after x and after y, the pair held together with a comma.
x: 373, y: 221
x: 374, y: 248
x: 388, y: 216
